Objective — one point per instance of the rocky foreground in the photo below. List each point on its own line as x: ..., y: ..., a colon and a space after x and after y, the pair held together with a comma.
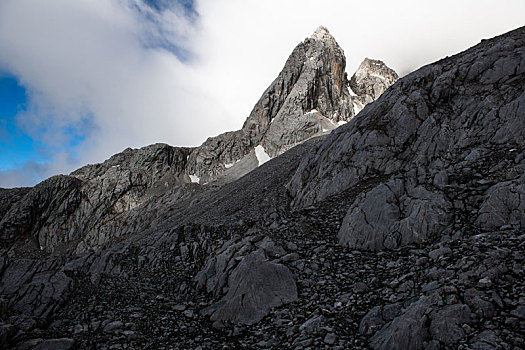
x: 402, y: 229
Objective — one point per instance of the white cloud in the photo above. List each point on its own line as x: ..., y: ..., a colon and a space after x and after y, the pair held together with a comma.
x: 106, y: 61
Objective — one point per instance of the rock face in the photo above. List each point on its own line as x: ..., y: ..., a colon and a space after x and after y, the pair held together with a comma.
x: 444, y: 145
x: 44, y: 211
x: 309, y: 97
x: 371, y: 79
x: 256, y: 286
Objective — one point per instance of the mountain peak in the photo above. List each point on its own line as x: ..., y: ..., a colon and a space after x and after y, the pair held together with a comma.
x: 321, y: 33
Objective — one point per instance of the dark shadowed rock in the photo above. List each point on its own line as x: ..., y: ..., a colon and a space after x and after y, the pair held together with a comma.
x: 55, y: 344
x: 45, y: 213
x: 407, y: 331
x: 446, y: 323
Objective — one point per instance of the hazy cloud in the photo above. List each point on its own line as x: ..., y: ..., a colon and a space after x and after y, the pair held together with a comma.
x: 106, y: 75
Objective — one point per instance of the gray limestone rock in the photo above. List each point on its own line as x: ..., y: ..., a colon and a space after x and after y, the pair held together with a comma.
x: 45, y: 213
x: 371, y: 79
x: 394, y: 214
x: 372, y: 321
x: 446, y: 323
x: 504, y: 204
x: 407, y: 331
x: 255, y: 286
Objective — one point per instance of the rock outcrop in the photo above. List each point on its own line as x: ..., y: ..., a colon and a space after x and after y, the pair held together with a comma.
x: 371, y: 79
x: 63, y: 210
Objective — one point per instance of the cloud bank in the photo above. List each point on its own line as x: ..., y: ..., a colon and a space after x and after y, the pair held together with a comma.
x: 105, y: 75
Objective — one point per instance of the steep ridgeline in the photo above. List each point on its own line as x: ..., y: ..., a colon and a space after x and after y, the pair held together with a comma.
x: 85, y: 210
x: 308, y: 98
x: 443, y: 151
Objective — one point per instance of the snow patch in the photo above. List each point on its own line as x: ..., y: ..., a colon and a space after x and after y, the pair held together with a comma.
x: 194, y: 179
x: 228, y: 165
x: 262, y: 156
x: 341, y: 122
x: 312, y: 111
x: 352, y: 93
x: 378, y: 76
x: 357, y: 108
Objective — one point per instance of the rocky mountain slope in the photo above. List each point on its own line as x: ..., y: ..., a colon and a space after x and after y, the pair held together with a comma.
x: 402, y: 229
x: 308, y: 98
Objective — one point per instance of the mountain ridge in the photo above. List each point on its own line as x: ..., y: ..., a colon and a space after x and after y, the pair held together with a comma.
x: 308, y: 98
x: 402, y: 229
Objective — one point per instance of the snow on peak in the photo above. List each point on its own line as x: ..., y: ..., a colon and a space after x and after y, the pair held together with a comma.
x: 378, y: 76
x: 352, y: 93
x: 357, y: 107
x: 262, y: 156
x: 312, y: 111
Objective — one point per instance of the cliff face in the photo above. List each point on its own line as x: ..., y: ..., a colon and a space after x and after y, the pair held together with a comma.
x: 308, y: 98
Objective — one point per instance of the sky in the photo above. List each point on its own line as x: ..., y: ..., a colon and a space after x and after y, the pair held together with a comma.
x: 82, y: 80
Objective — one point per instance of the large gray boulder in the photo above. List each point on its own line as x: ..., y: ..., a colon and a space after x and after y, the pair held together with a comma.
x: 394, y: 214
x: 255, y: 287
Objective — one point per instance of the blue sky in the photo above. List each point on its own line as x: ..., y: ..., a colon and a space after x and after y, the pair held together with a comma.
x: 82, y: 80
x: 16, y: 147
x: 26, y: 151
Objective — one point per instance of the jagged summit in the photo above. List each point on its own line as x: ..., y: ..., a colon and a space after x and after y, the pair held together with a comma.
x: 322, y: 33
x: 370, y: 80
x: 308, y: 98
